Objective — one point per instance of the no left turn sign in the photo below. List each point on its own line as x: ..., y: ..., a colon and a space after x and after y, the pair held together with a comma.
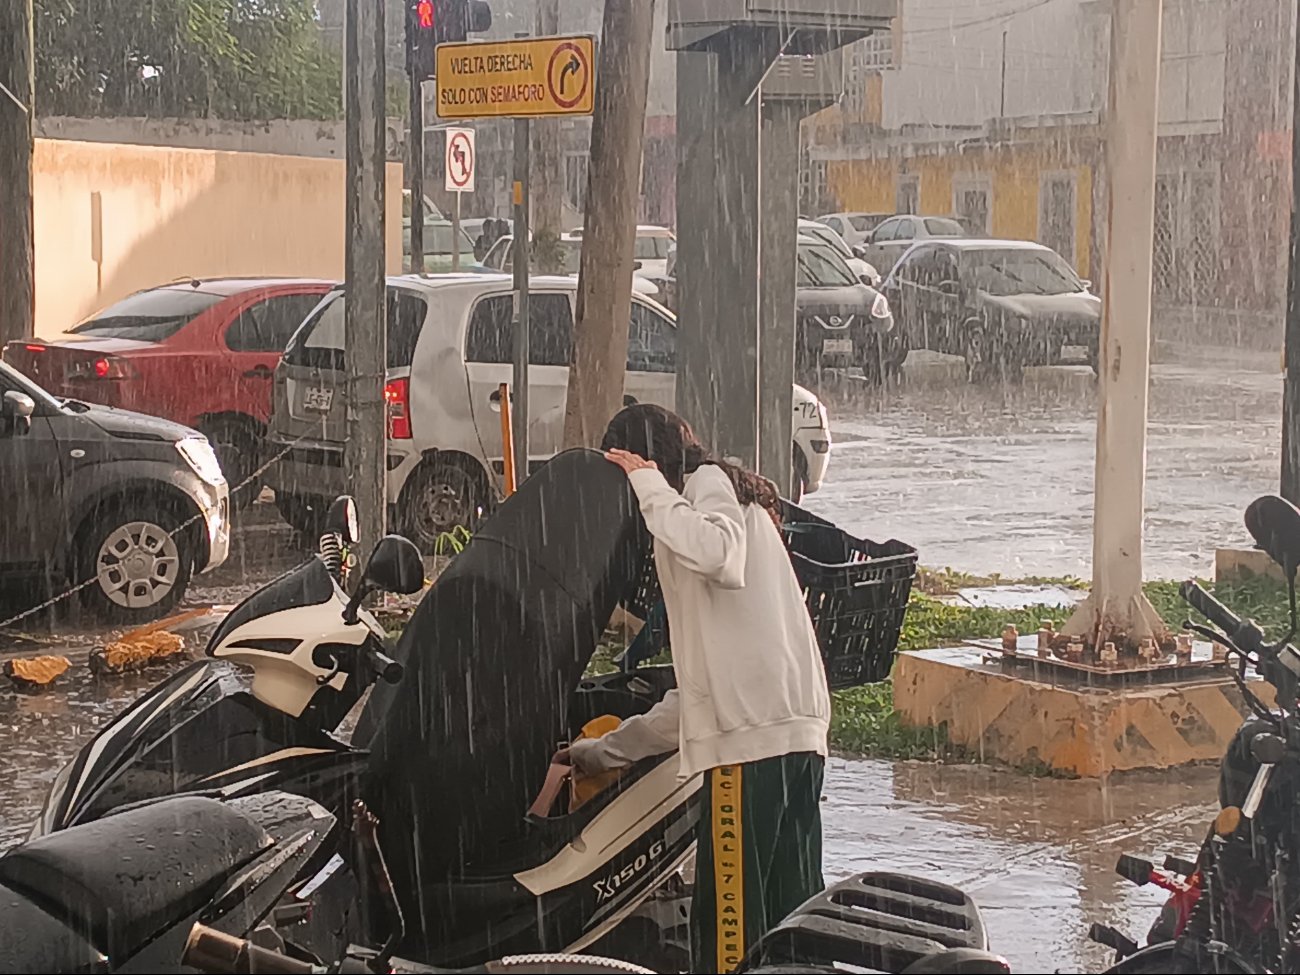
x: 460, y: 161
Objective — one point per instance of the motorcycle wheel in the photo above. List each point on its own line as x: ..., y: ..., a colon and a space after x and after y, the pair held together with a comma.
x: 1172, y: 958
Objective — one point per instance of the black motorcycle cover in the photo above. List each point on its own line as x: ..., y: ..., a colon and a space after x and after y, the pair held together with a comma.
x: 493, y: 654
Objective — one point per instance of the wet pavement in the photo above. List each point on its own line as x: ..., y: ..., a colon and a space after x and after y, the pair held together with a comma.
x: 984, y: 480
x: 999, y: 479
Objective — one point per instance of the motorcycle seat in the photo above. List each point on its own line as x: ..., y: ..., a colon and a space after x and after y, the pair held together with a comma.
x: 883, y: 922
x: 959, y: 961
x: 120, y: 881
x: 33, y: 941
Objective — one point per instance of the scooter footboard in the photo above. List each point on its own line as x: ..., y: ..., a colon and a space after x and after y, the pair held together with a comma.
x: 884, y: 922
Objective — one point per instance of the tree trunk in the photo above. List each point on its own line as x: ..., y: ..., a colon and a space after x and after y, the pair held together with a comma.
x: 17, y: 262
x: 609, y: 227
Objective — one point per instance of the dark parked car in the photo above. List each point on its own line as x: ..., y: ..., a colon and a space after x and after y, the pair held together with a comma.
x: 839, y: 320
x: 891, y: 239
x: 129, y: 504
x: 1000, y: 304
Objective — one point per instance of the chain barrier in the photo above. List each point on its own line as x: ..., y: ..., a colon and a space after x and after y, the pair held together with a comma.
x: 55, y: 600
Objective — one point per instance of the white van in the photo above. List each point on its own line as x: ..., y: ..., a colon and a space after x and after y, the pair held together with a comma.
x: 450, y: 346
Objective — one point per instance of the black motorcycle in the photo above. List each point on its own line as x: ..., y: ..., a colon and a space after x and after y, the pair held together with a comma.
x: 1236, y: 908
x: 122, y: 894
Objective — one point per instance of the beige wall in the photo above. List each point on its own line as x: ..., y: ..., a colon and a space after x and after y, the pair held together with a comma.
x: 173, y: 213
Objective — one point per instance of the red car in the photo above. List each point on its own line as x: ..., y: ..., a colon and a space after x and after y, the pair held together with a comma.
x: 201, y: 353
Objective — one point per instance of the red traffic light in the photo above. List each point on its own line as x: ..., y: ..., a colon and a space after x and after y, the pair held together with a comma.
x: 424, y: 14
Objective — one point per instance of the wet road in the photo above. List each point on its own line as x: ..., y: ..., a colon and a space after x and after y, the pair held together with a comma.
x: 999, y: 480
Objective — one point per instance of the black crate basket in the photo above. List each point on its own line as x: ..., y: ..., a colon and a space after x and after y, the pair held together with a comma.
x: 856, y: 590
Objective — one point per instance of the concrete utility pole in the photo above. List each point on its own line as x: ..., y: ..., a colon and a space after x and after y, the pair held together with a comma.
x: 366, y: 333
x: 609, y: 225
x: 1116, y: 609
x: 17, y: 110
x: 778, y: 249
x: 547, y: 182
x: 1291, y: 346
x: 718, y: 213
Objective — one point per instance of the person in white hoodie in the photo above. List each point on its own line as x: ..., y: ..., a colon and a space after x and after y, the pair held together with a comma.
x: 751, y: 710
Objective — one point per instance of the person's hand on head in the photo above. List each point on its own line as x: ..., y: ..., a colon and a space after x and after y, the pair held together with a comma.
x: 629, y: 461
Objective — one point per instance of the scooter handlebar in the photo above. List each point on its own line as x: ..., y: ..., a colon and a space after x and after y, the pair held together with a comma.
x: 384, y: 667
x: 1200, y: 600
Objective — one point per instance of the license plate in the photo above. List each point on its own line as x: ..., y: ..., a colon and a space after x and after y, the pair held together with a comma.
x: 1074, y: 352
x: 318, y: 399
x: 837, y: 347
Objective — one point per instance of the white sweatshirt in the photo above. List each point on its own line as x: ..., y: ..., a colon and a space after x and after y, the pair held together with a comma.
x: 750, y: 679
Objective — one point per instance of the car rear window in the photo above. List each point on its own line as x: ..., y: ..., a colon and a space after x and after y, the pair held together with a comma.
x: 941, y: 227
x: 864, y: 224
x: 149, y: 316
x: 652, y: 248
x: 319, y: 343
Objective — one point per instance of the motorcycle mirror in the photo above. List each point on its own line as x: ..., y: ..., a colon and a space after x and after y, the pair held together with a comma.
x: 342, y: 519
x: 395, y: 566
x: 1268, y: 749
x: 1274, y: 523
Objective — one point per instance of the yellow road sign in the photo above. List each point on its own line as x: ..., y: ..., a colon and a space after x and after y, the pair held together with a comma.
x: 527, y: 77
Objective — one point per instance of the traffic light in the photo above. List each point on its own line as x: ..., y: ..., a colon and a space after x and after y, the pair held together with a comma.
x: 433, y: 22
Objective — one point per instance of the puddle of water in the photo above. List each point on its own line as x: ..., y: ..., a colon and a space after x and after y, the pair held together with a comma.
x: 1037, y: 855
x: 1015, y: 597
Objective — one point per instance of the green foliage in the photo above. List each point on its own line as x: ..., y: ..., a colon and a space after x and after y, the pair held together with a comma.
x: 235, y: 59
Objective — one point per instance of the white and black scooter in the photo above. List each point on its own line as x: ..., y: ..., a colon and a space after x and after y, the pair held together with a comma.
x: 458, y: 747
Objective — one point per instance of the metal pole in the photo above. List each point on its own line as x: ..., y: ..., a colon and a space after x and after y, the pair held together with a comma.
x: 1291, y: 341
x: 522, y: 252
x: 1002, y: 96
x: 364, y: 326
x: 455, y: 233
x: 17, y: 93
x: 1117, y: 609
x: 415, y: 173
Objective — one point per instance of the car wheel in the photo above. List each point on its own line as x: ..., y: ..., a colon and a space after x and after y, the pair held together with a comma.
x: 305, y: 514
x: 236, y: 450
x: 438, y: 498
x: 137, y: 562
x: 976, y: 352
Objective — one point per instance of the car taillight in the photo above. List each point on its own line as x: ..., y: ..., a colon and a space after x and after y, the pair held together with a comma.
x: 397, y: 395
x: 102, y: 367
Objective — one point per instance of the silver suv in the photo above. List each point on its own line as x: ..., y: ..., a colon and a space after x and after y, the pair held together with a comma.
x: 450, y: 342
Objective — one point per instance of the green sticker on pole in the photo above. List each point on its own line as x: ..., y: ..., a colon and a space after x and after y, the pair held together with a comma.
x: 523, y: 78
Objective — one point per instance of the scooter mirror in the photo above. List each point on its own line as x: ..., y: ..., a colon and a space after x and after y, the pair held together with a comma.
x: 1274, y: 523
x: 394, y: 566
x: 342, y: 519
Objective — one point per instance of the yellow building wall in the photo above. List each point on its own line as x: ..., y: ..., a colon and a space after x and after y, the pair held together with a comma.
x: 165, y: 214
x: 1014, y: 176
